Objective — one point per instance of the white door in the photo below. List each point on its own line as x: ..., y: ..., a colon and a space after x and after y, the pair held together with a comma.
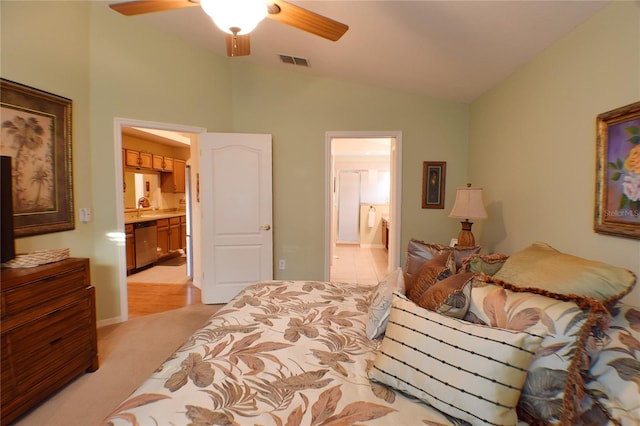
x: 236, y: 194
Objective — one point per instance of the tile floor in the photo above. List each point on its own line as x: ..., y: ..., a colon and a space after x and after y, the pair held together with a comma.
x: 353, y: 264
x: 170, y: 272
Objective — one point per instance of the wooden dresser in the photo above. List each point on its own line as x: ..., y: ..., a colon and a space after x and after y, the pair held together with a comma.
x: 48, y: 332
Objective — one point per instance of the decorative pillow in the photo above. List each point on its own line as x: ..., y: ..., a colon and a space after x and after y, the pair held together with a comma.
x: 486, y: 263
x: 615, y: 373
x: 541, y: 266
x: 470, y: 372
x: 554, y: 385
x: 381, y: 303
x: 450, y: 296
x: 432, y: 271
x: 418, y: 252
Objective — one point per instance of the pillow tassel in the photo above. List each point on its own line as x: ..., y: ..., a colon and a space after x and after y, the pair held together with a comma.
x: 574, y: 389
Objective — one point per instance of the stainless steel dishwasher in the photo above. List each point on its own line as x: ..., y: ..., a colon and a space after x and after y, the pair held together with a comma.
x: 146, y: 238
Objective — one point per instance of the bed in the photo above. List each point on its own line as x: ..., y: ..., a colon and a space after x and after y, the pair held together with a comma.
x: 483, y: 351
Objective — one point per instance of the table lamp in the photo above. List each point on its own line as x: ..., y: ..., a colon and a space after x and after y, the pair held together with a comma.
x: 468, y: 205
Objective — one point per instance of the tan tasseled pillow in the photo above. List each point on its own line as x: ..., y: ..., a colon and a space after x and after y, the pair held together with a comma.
x: 450, y: 296
x: 436, y: 269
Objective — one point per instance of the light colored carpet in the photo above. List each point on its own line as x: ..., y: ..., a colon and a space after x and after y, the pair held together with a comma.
x: 129, y: 353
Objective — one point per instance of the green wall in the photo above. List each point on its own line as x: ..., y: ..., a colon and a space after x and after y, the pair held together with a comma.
x: 533, y: 140
x: 113, y: 67
x: 299, y: 109
x: 529, y: 142
x: 110, y: 67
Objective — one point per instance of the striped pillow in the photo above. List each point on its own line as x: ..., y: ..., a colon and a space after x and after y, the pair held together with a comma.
x: 470, y: 372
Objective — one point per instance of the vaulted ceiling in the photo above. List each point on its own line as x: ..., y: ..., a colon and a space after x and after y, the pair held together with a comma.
x: 452, y: 50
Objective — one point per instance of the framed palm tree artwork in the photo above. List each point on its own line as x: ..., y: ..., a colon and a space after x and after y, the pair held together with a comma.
x: 36, y: 134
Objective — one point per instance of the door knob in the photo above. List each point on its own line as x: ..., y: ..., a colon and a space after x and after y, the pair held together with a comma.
x: 266, y: 227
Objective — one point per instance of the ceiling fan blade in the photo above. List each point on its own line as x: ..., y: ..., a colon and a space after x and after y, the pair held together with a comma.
x: 140, y: 7
x: 306, y: 20
x: 238, y: 45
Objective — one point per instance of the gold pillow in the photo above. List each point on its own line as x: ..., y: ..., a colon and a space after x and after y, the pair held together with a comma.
x: 542, y: 267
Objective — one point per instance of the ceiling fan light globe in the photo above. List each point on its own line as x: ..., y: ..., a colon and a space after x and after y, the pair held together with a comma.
x: 235, y: 16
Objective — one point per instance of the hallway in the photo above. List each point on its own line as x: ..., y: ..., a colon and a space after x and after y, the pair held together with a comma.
x: 353, y: 264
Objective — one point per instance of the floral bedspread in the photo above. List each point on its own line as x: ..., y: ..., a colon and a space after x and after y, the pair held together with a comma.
x: 280, y: 353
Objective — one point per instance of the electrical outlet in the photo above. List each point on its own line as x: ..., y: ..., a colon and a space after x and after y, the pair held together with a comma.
x: 282, y: 265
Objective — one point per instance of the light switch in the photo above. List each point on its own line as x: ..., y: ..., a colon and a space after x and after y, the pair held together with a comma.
x: 85, y: 214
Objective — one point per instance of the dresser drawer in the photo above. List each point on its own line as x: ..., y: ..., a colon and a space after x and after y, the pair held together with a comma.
x: 6, y: 376
x: 20, y: 298
x: 47, y: 330
x: 51, y: 346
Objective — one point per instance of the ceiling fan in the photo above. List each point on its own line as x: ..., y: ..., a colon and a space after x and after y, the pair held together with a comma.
x: 237, y: 34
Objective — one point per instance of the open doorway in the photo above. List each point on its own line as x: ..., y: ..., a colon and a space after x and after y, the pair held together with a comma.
x: 362, y: 205
x: 154, y: 207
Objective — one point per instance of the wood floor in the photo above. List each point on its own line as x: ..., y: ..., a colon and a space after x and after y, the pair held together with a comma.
x: 150, y: 298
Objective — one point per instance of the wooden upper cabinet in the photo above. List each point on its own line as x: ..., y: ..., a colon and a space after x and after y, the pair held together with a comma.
x: 132, y: 158
x: 179, y: 171
x: 176, y: 181
x: 146, y: 160
x: 163, y: 164
x: 137, y: 159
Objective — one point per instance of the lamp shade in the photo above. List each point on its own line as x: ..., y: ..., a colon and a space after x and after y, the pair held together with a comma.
x: 236, y: 17
x: 468, y: 204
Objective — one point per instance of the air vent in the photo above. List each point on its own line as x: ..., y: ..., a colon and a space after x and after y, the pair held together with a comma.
x: 288, y: 59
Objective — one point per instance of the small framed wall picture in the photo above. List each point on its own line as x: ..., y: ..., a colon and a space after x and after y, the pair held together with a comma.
x: 433, y: 184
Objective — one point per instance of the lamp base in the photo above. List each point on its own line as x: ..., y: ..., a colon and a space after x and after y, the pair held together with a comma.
x: 465, y: 237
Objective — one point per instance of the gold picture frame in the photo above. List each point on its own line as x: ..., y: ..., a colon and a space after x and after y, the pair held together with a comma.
x: 36, y: 133
x: 617, y: 210
x: 434, y: 175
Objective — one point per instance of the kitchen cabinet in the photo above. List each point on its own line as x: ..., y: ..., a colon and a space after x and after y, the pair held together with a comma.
x: 176, y: 181
x: 139, y: 160
x: 162, y: 163
x: 168, y: 235
x: 49, y: 335
x: 131, y: 247
x: 174, y: 233
x: 163, y: 237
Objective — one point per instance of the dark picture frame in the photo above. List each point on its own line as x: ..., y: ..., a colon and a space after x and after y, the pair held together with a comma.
x: 36, y: 132
x: 617, y: 210
x: 434, y: 175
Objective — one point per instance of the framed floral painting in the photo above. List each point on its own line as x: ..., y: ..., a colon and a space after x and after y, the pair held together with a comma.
x: 36, y: 134
x: 618, y: 172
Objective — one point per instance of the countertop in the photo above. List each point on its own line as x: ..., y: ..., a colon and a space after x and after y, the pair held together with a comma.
x: 145, y: 216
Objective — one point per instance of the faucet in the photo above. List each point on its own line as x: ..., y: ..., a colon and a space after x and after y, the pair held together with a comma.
x: 142, y: 202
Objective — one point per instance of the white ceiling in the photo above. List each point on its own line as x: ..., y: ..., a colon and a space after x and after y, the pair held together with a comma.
x: 452, y: 50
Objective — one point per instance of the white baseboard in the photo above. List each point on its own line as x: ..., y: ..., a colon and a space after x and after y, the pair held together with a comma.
x: 109, y: 321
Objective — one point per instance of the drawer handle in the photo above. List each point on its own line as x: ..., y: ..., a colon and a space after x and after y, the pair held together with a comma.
x: 54, y: 341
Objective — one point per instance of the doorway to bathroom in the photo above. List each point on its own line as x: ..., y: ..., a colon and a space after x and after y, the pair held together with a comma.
x: 362, y: 205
